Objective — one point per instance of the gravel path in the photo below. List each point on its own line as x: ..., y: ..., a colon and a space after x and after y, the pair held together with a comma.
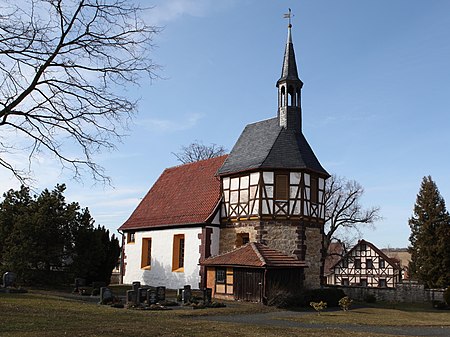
x: 281, y: 318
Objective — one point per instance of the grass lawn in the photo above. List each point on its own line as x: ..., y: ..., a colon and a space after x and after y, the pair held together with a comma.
x: 49, y: 314
x: 380, y: 316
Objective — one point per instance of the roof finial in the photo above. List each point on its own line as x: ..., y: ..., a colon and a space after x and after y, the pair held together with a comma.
x: 289, y: 16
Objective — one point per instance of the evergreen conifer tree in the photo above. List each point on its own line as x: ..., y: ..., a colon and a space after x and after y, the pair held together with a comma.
x: 44, y: 239
x: 430, y: 237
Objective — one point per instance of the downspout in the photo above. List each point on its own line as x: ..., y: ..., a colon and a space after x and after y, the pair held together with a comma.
x: 122, y: 256
x: 264, y: 286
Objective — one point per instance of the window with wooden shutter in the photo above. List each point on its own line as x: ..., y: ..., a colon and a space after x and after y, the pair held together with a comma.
x: 242, y: 239
x: 131, y: 237
x: 281, y: 187
x: 146, y: 256
x: 314, y: 190
x: 178, y: 253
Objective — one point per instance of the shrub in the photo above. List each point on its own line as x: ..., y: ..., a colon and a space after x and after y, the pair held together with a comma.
x: 319, y: 306
x: 447, y: 296
x: 281, y: 298
x: 439, y: 305
x: 329, y: 295
x: 345, y: 303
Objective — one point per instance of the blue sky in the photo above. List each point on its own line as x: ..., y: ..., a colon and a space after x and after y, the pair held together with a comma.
x: 375, y: 97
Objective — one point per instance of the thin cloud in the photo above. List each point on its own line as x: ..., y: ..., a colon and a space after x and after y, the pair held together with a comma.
x: 171, y: 10
x: 169, y: 125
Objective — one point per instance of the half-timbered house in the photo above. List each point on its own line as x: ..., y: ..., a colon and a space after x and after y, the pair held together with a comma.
x: 267, y: 195
x: 366, y: 266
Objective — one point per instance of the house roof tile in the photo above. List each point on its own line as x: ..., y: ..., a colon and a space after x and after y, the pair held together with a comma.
x: 182, y: 195
x: 389, y: 260
x: 255, y: 255
x: 334, y: 255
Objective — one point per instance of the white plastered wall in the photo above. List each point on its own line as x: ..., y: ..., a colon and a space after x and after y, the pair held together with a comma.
x: 161, y: 273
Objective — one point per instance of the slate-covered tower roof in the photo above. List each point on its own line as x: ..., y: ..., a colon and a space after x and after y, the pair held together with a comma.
x: 277, y: 143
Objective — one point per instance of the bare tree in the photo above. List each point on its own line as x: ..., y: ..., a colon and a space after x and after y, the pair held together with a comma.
x: 63, y: 67
x: 344, y: 211
x: 198, y: 151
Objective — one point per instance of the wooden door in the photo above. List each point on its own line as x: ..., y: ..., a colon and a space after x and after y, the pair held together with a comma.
x: 248, y: 284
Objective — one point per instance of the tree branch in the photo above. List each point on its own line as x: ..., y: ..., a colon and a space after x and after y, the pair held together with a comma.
x: 62, y: 64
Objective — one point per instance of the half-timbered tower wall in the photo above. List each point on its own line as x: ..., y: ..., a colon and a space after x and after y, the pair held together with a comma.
x: 280, y: 208
x: 273, y: 194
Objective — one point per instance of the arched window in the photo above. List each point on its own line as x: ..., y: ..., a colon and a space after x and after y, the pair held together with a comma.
x: 298, y: 97
x: 291, y: 93
x: 283, y: 96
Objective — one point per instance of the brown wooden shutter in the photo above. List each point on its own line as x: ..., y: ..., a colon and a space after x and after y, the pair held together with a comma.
x: 314, y: 190
x: 281, y: 187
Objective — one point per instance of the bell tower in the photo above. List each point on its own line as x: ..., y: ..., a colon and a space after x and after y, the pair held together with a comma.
x: 273, y: 186
x: 289, y: 88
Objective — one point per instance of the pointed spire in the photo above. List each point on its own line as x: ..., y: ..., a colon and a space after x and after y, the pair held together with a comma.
x: 289, y: 70
x: 289, y: 39
x: 289, y: 87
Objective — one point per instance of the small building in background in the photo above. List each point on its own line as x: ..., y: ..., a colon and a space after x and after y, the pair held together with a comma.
x: 403, y: 258
x: 365, y: 265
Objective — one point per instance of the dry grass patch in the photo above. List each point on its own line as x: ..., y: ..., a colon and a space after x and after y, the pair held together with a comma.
x: 379, y: 317
x: 38, y: 314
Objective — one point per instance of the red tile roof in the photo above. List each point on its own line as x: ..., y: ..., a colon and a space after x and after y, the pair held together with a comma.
x: 389, y: 260
x: 334, y: 255
x: 186, y: 194
x: 254, y: 255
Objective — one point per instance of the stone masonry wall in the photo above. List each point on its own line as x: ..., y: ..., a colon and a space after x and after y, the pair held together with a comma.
x: 291, y: 238
x: 403, y: 293
x: 280, y: 237
x: 228, y: 236
x: 313, y: 257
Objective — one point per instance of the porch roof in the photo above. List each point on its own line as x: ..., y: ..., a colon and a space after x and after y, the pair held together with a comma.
x: 255, y: 255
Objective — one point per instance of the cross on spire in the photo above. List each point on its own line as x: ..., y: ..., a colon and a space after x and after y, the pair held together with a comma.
x: 289, y: 16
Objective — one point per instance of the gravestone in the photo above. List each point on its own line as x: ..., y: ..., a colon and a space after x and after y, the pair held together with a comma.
x: 131, y: 297
x: 180, y: 294
x: 106, y: 295
x: 161, y: 293
x: 79, y: 282
x: 187, y: 294
x: 9, y: 279
x: 207, y: 295
x: 135, y: 287
x: 142, y: 294
x: 152, y: 296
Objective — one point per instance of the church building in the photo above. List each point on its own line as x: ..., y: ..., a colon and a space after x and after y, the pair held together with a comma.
x: 238, y: 223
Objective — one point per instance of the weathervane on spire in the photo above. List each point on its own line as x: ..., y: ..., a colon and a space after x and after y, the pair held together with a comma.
x: 289, y: 16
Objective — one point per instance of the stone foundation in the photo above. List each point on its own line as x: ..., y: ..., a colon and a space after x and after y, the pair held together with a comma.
x: 294, y: 238
x: 228, y: 236
x: 313, y: 257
